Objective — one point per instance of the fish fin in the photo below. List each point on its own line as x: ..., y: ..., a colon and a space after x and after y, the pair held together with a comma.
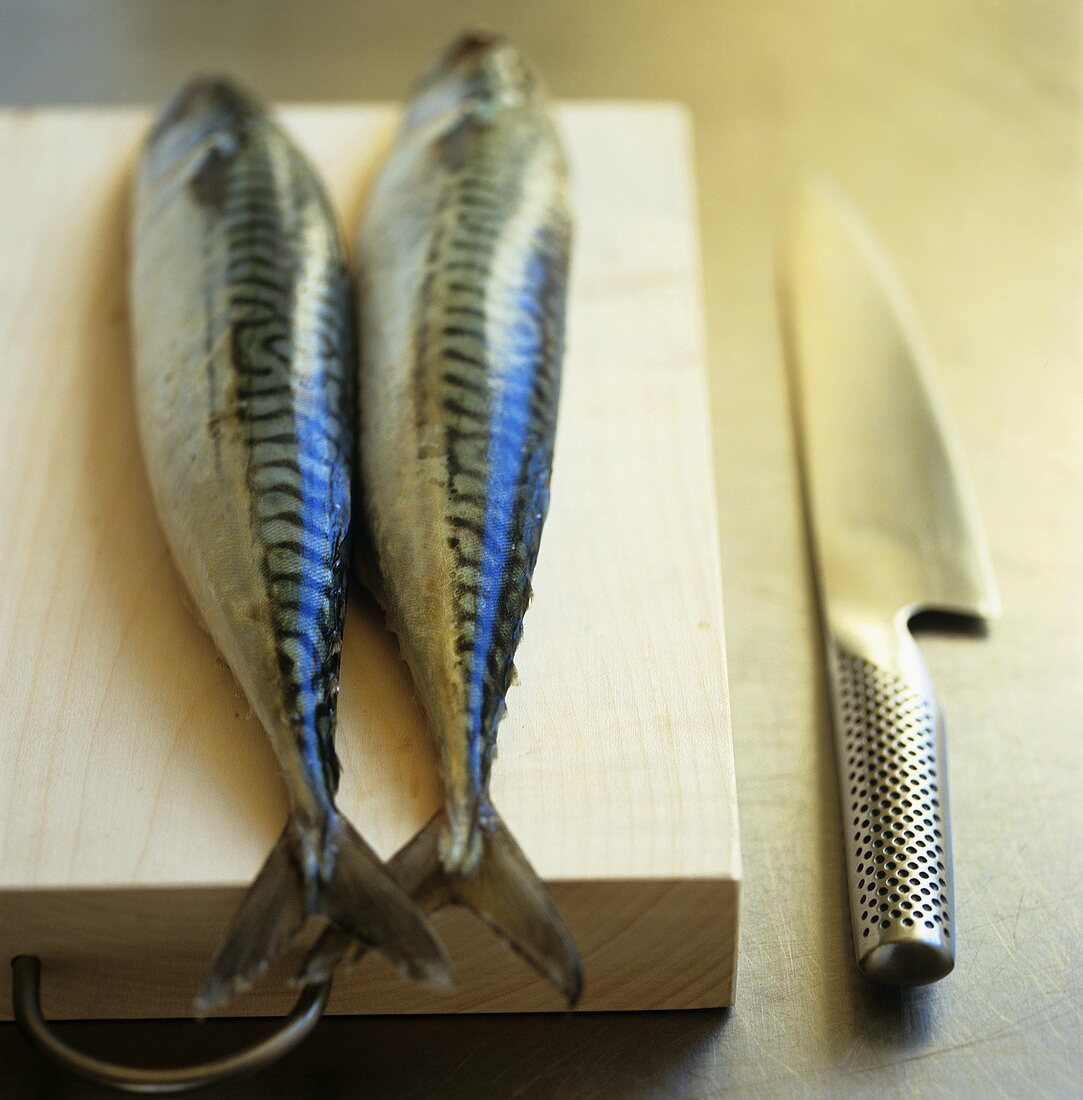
x: 364, y: 900
x: 270, y: 916
x: 502, y: 889
x: 333, y: 948
x: 348, y: 884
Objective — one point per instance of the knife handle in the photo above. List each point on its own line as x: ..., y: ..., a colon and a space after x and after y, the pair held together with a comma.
x: 892, y: 781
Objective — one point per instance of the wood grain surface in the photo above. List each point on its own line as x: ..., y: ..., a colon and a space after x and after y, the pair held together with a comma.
x: 130, y: 771
x: 957, y: 125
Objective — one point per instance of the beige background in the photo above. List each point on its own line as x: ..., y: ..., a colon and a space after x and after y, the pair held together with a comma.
x: 957, y: 127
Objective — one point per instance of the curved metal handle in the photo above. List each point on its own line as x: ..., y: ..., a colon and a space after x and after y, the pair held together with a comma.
x: 26, y: 999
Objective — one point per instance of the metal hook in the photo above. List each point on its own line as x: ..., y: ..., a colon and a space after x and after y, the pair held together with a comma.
x: 26, y: 998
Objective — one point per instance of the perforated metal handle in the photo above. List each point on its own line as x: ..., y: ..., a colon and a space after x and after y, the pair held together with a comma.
x: 895, y: 818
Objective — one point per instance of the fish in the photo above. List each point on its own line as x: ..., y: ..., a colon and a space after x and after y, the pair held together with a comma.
x: 463, y: 262
x: 244, y: 379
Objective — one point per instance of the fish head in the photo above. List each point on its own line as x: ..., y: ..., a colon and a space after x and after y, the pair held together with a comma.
x: 481, y: 69
x: 208, y: 111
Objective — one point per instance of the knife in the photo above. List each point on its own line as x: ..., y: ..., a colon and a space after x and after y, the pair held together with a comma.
x: 894, y: 531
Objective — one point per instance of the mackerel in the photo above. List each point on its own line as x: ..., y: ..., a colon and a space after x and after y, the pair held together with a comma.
x: 244, y: 378
x: 463, y: 260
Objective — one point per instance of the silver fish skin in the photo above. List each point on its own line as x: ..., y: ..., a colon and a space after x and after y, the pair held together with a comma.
x: 463, y: 260
x: 244, y: 366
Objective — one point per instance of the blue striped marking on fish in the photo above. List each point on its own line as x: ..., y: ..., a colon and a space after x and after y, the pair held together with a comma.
x: 511, y: 424
x: 317, y: 531
x: 309, y: 596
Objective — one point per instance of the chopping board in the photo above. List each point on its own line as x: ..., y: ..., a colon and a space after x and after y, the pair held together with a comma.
x: 138, y: 796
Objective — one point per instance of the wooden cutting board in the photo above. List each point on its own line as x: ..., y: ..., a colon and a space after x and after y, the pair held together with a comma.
x: 138, y: 798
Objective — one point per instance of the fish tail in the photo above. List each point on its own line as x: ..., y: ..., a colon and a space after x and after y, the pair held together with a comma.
x: 325, y: 871
x: 502, y: 889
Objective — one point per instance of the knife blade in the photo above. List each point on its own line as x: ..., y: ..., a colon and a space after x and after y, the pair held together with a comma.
x: 893, y: 530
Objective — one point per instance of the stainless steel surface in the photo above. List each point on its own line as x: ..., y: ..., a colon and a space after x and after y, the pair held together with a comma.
x: 894, y: 530
x: 956, y: 126
x: 892, y: 510
x: 26, y: 998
